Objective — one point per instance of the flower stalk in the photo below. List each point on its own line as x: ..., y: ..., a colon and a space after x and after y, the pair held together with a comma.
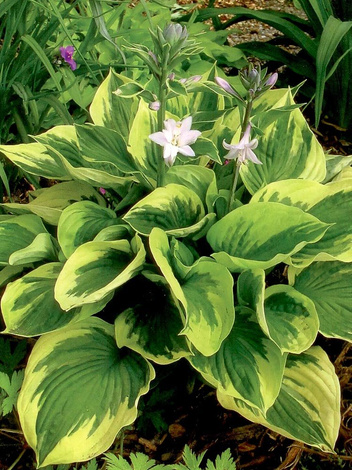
x: 161, y: 118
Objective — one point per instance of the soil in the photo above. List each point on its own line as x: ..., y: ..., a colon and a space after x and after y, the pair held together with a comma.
x: 190, y: 414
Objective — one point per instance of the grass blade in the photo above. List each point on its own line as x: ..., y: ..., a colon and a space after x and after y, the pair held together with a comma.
x: 333, y: 33
x: 42, y: 56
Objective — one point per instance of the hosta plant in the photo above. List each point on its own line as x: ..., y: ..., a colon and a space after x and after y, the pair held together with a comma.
x: 159, y: 242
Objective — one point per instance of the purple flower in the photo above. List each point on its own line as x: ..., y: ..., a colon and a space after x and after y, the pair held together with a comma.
x: 66, y: 54
x: 176, y: 138
x: 243, y: 150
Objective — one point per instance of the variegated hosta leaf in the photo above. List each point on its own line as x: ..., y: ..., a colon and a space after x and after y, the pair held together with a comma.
x: 260, y: 235
x: 101, y: 145
x: 35, y: 159
x: 114, y: 232
x: 335, y: 164
x: 174, y: 208
x: 205, y: 293
x: 152, y: 325
x: 329, y: 204
x: 299, y: 193
x: 48, y: 203
x: 81, y: 222
x: 43, y: 248
x: 285, y: 316
x: 17, y: 233
x: 95, y: 270
x: 62, y: 142
x: 248, y: 366
x: 30, y: 309
x: 291, y: 318
x: 288, y: 149
x: 79, y: 390
x: 110, y: 110
x: 144, y: 152
x: 9, y: 273
x: 307, y: 408
x: 329, y: 285
x: 200, y: 179
x: 337, y: 242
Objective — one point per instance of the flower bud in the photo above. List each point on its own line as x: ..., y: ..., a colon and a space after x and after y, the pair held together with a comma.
x: 154, y: 105
x: 272, y: 80
x: 174, y: 33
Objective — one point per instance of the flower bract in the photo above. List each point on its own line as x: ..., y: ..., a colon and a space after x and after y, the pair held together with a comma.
x: 176, y: 137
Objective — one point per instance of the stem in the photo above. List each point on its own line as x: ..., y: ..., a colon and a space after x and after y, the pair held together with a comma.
x: 247, y: 115
x: 236, y: 172
x: 161, y: 119
x: 233, y: 187
x: 17, y: 460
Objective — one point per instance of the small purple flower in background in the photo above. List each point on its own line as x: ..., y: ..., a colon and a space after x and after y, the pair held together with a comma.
x: 243, y: 150
x: 66, y: 54
x: 176, y: 138
x: 102, y: 191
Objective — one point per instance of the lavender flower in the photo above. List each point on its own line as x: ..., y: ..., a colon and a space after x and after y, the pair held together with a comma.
x: 243, y: 150
x: 176, y: 138
x: 66, y: 54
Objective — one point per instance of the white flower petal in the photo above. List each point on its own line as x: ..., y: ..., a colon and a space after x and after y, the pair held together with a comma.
x: 186, y: 151
x: 226, y: 145
x: 186, y: 125
x: 253, y: 144
x: 250, y: 155
x: 158, y: 138
x: 169, y: 154
x: 188, y: 137
x: 170, y: 125
x: 233, y: 154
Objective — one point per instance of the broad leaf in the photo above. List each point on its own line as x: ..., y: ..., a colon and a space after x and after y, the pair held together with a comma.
x: 337, y: 242
x: 62, y: 143
x: 307, y: 408
x: 329, y: 286
x: 43, y: 248
x: 288, y: 149
x: 100, y: 145
x: 144, y: 152
x: 79, y: 390
x: 200, y: 179
x: 30, y: 309
x: 16, y: 233
x: 251, y: 237
x: 108, y: 109
x: 248, y: 366
x: 153, y: 310
x: 291, y: 319
x: 48, y: 203
x: 81, y: 222
x: 205, y: 293
x: 35, y: 159
x: 174, y: 208
x: 95, y: 270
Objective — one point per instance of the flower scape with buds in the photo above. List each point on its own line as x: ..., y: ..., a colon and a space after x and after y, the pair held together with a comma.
x: 155, y: 252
